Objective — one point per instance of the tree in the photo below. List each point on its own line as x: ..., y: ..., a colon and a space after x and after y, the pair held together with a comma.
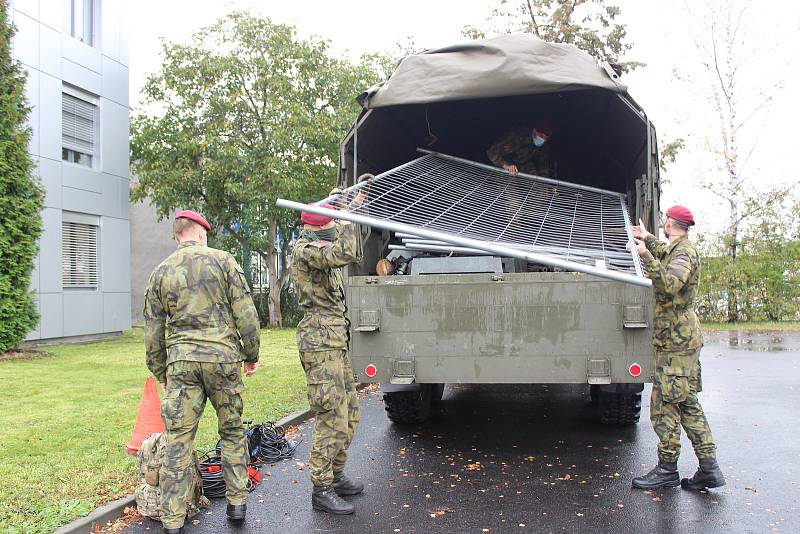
x: 21, y: 199
x: 588, y: 24
x: 249, y: 112
x: 727, y: 58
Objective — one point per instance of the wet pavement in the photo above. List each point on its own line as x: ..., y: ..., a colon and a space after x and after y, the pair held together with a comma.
x: 533, y: 459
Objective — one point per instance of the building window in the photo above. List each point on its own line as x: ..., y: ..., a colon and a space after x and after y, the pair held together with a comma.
x: 78, y: 127
x: 79, y: 250
x: 81, y: 17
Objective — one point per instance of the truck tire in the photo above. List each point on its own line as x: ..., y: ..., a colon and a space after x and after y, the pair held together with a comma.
x: 619, y: 409
x: 409, y: 407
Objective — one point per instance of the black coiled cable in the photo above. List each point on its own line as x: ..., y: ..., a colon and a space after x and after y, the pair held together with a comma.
x: 213, y: 482
x: 268, y: 444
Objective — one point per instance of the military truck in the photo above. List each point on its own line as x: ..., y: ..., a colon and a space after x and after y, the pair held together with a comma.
x: 415, y: 332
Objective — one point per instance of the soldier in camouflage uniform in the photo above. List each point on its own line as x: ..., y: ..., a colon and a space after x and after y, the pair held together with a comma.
x: 200, y: 324
x: 524, y: 149
x: 675, y: 272
x: 323, y: 337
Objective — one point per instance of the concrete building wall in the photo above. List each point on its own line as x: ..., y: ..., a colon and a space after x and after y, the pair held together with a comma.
x: 57, y: 62
x: 151, y: 243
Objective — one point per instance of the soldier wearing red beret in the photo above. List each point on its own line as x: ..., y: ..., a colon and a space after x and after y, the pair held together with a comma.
x: 200, y: 324
x: 323, y: 339
x: 675, y: 272
x: 525, y: 149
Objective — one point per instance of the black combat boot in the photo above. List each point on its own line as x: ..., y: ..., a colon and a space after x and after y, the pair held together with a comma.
x: 178, y: 530
x: 708, y: 475
x: 345, y: 486
x: 236, y: 512
x: 325, y: 499
x: 663, y: 475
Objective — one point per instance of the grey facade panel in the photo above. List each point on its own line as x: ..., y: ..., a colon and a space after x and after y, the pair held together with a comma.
x: 151, y: 243
x: 115, y: 82
x: 32, y: 94
x: 28, y: 7
x: 26, y: 41
x: 115, y: 265
x: 51, y: 13
x: 83, y: 312
x: 116, y: 196
x: 51, y: 309
x: 81, y: 201
x: 114, y: 139
x: 117, y: 314
x: 50, y: 252
x: 81, y: 177
x: 84, y: 56
x: 50, y: 175
x: 50, y: 51
x: 50, y: 110
x: 80, y: 76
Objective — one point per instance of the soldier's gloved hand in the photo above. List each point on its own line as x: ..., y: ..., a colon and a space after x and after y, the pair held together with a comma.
x: 250, y: 368
x: 640, y: 232
x: 338, y: 202
x: 364, y: 191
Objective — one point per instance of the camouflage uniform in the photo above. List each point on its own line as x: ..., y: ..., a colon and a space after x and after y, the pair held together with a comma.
x: 675, y: 272
x: 200, y: 323
x: 516, y: 147
x: 323, y: 337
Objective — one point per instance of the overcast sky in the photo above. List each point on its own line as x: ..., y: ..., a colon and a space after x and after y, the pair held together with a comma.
x: 661, y: 32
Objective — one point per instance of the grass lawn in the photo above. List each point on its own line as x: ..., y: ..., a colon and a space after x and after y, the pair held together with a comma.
x: 65, y: 419
x: 785, y: 326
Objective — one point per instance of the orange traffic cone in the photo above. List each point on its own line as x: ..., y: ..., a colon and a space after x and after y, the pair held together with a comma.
x: 148, y: 420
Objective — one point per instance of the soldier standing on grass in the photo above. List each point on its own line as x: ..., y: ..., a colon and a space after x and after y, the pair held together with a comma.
x: 675, y: 272
x: 323, y: 338
x: 200, y: 324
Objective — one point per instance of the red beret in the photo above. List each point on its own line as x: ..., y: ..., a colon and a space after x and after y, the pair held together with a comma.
x: 681, y: 213
x: 316, y: 220
x: 193, y: 216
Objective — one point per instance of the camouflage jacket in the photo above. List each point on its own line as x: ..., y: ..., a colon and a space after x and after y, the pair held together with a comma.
x: 317, y: 278
x: 675, y: 272
x: 197, y: 307
x: 516, y: 146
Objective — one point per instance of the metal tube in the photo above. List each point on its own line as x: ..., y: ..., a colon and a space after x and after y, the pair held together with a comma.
x: 599, y: 254
x: 441, y: 248
x: 466, y: 242
x: 637, y: 264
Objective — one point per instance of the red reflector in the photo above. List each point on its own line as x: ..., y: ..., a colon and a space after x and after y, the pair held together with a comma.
x: 370, y: 370
x: 635, y: 369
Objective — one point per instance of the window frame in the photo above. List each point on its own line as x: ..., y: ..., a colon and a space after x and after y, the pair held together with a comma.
x: 80, y: 262
x: 72, y: 151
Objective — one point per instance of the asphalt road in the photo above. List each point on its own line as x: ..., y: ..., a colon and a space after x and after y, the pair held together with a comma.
x: 533, y: 459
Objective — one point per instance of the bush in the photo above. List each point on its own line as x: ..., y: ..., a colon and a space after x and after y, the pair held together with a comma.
x: 21, y: 200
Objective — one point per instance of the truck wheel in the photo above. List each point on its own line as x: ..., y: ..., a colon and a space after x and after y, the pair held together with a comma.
x: 409, y: 407
x: 619, y: 408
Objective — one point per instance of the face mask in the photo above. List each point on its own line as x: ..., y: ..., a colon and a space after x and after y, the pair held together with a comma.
x: 538, y: 141
x: 329, y: 234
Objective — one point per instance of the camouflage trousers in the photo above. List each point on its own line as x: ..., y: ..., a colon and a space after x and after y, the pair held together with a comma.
x: 333, y: 399
x: 674, y: 404
x: 189, y: 384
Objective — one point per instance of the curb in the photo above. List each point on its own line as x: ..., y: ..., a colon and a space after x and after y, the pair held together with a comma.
x: 101, y: 516
x: 115, y: 509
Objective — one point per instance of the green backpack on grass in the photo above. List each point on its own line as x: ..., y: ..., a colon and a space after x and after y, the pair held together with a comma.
x: 148, y: 492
